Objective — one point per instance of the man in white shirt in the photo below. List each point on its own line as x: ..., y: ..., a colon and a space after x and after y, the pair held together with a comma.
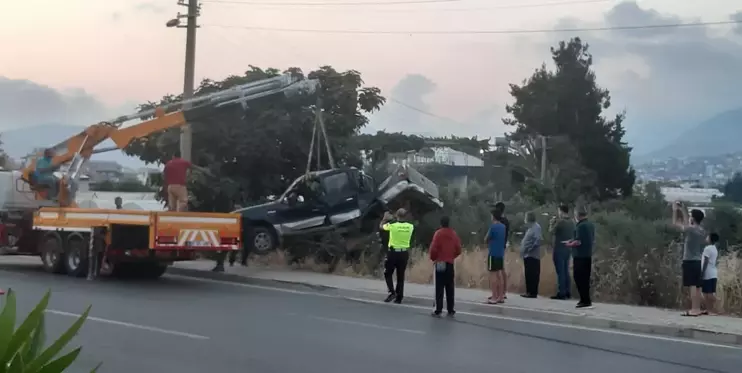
x: 708, y: 284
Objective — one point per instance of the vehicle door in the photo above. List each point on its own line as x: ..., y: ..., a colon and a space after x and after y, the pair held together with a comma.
x: 301, y: 211
x: 341, y: 197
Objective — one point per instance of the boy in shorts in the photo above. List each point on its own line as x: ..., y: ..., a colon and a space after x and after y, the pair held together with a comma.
x: 495, y: 240
x: 708, y: 284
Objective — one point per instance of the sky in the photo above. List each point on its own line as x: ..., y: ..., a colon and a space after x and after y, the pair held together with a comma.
x: 82, y: 61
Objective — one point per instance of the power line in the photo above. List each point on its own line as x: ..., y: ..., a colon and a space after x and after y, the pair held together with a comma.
x: 396, y: 2
x: 413, y: 108
x: 485, y: 32
x: 416, y: 10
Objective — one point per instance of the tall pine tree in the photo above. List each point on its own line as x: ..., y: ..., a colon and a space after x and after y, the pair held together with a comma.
x: 566, y: 102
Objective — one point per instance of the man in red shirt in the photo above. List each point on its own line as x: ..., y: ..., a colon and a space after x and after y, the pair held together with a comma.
x: 444, y: 249
x: 175, y: 173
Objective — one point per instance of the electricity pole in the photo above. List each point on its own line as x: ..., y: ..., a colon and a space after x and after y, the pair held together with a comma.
x: 190, y: 66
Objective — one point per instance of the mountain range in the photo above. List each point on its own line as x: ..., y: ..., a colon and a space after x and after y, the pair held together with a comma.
x: 18, y: 143
x: 719, y: 135
x: 722, y: 134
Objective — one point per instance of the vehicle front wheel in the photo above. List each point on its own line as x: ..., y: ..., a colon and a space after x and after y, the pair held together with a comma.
x: 261, y: 240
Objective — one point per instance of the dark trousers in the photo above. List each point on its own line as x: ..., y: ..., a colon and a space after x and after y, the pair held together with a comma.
x: 396, y: 261
x: 582, y: 268
x: 444, y: 282
x: 533, y: 274
x: 561, y: 265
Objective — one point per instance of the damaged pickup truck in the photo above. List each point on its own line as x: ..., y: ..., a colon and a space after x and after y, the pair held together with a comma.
x: 342, y: 205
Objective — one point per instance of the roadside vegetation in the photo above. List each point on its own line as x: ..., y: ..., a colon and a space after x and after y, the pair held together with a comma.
x: 22, y: 347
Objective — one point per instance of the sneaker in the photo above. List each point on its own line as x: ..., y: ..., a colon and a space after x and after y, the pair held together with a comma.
x: 558, y: 297
x: 398, y: 301
x: 390, y: 297
x: 584, y: 305
x: 436, y: 313
x: 451, y: 313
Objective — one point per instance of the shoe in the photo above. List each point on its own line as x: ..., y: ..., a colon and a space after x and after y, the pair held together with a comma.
x: 529, y: 296
x: 390, y: 297
x: 218, y: 269
x: 451, y: 313
x: 436, y: 313
x: 558, y: 297
x: 398, y: 301
x: 584, y: 305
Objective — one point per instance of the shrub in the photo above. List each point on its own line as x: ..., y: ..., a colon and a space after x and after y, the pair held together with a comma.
x: 21, y: 348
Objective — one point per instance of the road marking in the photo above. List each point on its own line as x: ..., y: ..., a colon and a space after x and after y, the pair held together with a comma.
x: 358, y: 323
x: 130, y: 325
x: 467, y: 313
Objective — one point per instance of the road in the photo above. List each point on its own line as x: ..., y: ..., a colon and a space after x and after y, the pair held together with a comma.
x: 186, y: 325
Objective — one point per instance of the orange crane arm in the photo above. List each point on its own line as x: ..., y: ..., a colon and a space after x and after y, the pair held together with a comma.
x: 81, y: 146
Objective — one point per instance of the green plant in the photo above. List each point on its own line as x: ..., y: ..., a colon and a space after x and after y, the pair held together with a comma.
x: 21, y: 348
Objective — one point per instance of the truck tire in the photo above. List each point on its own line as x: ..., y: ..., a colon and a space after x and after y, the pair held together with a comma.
x: 261, y: 240
x: 143, y: 271
x: 151, y: 271
x: 76, y: 255
x: 51, y: 250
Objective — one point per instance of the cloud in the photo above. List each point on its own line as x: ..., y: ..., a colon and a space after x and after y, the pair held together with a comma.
x: 149, y: 6
x: 667, y: 79
x: 24, y: 103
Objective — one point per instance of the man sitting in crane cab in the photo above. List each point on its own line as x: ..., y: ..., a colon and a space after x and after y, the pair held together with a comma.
x: 44, y: 173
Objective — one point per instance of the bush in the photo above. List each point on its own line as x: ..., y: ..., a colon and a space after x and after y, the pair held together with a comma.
x: 21, y: 348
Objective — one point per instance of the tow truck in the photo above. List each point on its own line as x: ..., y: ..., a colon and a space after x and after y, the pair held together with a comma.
x: 83, y: 242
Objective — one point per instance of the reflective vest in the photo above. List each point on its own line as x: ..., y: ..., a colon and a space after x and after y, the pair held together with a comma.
x: 400, y: 234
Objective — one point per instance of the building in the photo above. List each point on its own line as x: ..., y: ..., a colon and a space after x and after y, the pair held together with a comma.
x: 455, y: 164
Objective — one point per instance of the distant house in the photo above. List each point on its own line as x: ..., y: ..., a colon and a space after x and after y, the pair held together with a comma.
x: 455, y: 164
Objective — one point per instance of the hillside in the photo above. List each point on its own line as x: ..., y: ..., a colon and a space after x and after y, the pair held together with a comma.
x: 19, y: 142
x: 719, y: 135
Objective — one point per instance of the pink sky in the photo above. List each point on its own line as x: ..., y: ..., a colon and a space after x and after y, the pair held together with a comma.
x: 119, y: 50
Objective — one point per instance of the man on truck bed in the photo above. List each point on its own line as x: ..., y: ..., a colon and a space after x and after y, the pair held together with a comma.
x: 176, y: 173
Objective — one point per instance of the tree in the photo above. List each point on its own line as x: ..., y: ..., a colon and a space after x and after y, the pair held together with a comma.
x: 733, y: 189
x: 257, y: 152
x: 568, y: 103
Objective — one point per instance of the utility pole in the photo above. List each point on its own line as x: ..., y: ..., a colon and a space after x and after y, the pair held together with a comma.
x: 194, y: 10
x: 543, y: 158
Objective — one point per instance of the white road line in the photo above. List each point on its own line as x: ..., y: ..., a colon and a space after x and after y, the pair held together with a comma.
x: 475, y: 314
x: 130, y: 325
x: 367, y: 325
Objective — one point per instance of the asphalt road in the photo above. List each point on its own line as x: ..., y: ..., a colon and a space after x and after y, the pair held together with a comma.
x: 188, y: 325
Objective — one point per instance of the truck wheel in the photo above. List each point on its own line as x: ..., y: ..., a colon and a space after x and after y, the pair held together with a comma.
x: 52, y: 253
x: 151, y: 271
x: 76, y: 255
x: 262, y: 240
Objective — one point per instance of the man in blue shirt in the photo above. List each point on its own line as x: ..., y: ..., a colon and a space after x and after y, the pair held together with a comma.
x: 495, y: 240
x: 44, y: 173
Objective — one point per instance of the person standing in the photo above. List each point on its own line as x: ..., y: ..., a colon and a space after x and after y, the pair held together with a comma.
x: 175, y: 173
x: 530, y: 251
x: 500, y: 207
x: 44, y: 173
x: 495, y: 258
x: 119, y: 203
x: 444, y: 249
x: 582, y: 253
x: 398, y: 255
x: 563, y: 229
x: 692, y: 253
x: 708, y: 286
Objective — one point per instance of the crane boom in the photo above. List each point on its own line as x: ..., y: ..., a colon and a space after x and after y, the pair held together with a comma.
x: 77, y: 149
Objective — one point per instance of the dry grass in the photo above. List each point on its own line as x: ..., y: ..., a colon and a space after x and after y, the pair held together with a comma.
x: 612, y: 278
